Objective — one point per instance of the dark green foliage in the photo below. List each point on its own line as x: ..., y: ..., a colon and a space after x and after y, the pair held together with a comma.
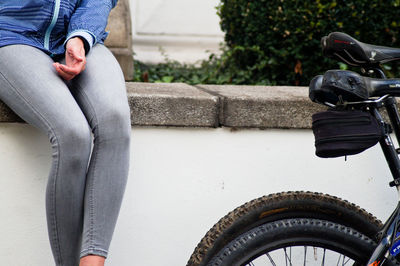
x: 221, y: 69
x: 279, y: 40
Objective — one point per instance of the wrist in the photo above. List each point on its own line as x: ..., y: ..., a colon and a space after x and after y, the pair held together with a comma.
x: 75, y: 41
x: 87, y: 38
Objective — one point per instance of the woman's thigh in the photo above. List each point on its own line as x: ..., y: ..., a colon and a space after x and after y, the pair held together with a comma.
x: 101, y: 93
x: 31, y: 87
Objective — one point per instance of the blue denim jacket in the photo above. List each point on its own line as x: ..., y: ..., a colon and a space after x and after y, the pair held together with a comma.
x: 48, y: 24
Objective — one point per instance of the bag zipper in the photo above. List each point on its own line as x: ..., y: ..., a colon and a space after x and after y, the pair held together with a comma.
x: 354, y: 121
x: 347, y: 138
x: 52, y: 24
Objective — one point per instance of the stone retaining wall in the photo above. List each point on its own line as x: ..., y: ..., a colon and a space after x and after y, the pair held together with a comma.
x: 120, y: 38
x: 182, y: 105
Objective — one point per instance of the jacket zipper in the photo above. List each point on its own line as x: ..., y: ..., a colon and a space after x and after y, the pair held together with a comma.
x: 52, y: 24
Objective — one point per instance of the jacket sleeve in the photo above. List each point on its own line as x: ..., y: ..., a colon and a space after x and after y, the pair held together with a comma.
x: 89, y: 21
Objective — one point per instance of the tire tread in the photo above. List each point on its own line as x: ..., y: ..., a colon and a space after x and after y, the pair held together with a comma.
x: 205, y: 246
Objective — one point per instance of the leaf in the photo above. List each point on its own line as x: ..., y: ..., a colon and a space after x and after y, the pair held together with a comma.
x: 343, y: 66
x: 167, y: 79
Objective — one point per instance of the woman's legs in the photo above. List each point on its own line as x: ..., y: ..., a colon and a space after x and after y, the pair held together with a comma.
x: 92, y: 260
x: 75, y: 192
x: 31, y: 87
x: 100, y: 91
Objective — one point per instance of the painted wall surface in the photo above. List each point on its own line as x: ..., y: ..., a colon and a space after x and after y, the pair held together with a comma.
x: 181, y: 182
x: 176, y: 17
x: 183, y: 29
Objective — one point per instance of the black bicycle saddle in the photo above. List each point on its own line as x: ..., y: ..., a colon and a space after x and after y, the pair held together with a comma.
x: 342, y: 85
x: 345, y: 48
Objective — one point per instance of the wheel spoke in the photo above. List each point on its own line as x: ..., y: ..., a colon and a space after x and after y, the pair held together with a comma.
x: 301, y: 254
x: 347, y: 260
x: 305, y: 255
x: 270, y: 259
x: 338, y: 261
x: 315, y: 254
x: 323, y: 258
x: 288, y: 258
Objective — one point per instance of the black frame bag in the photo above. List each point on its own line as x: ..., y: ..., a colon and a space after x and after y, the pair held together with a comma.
x: 341, y: 133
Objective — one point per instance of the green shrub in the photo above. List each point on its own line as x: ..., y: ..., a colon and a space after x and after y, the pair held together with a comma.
x: 278, y: 41
x: 221, y: 69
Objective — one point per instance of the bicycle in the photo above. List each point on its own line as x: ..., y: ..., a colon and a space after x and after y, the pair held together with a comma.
x: 312, y: 228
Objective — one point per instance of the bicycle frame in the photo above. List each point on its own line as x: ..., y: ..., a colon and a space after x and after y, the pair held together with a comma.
x: 389, y: 244
x: 389, y: 236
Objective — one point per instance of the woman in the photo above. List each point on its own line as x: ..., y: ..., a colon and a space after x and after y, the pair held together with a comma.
x: 56, y: 74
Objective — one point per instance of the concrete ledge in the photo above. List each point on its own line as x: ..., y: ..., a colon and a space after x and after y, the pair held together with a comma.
x: 264, y: 106
x: 182, y: 105
x: 171, y: 104
x: 6, y: 115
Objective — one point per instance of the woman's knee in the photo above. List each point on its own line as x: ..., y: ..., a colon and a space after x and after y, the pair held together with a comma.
x: 73, y: 139
x: 114, y: 124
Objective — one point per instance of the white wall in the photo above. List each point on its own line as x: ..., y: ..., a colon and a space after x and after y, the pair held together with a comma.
x: 181, y: 182
x: 185, y: 29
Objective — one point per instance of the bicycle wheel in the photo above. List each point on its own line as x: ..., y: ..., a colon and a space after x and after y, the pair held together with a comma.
x: 282, y: 206
x: 299, y: 241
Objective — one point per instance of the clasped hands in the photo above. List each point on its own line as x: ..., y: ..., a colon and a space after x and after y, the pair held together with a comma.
x: 75, y: 59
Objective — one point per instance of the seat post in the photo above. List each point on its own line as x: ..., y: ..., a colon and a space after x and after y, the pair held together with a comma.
x: 387, y: 145
x: 391, y: 107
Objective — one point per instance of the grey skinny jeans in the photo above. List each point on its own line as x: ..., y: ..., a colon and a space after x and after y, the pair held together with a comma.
x: 85, y: 185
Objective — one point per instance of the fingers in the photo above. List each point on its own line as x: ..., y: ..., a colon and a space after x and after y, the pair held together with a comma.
x: 67, y: 72
x: 76, y: 55
x: 75, y: 60
x: 75, y: 49
x: 72, y: 70
x: 63, y: 74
